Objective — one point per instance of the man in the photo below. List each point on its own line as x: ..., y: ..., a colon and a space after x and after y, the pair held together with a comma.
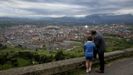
x: 100, y: 48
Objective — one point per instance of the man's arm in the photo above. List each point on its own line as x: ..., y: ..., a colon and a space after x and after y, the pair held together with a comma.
x: 97, y: 41
x: 94, y: 51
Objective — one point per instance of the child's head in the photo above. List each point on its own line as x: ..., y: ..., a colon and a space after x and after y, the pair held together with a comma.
x: 89, y: 38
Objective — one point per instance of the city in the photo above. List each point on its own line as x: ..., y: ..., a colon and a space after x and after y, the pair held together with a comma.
x: 56, y: 37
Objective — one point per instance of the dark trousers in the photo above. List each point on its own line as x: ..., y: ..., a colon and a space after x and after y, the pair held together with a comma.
x: 101, y: 58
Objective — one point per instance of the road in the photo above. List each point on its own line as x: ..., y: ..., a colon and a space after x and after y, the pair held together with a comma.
x: 119, y: 67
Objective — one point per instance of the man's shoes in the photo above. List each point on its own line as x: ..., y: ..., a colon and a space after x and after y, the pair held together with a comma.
x: 99, y: 71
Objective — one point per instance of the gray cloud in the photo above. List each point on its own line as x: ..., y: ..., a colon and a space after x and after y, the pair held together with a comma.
x: 64, y: 7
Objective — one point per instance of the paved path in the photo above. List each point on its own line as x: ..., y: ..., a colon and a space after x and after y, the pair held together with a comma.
x: 119, y: 67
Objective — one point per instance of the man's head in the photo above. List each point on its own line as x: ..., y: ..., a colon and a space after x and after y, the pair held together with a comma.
x: 93, y: 32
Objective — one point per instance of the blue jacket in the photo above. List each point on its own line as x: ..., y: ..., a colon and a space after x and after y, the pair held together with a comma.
x: 89, y: 47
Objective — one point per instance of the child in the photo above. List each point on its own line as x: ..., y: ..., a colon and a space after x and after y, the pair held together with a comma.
x: 89, y: 47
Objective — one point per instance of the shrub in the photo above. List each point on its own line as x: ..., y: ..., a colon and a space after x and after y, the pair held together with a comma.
x: 5, y: 66
x: 59, y: 55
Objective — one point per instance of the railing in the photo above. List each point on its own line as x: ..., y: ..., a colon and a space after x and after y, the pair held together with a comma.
x: 61, y: 66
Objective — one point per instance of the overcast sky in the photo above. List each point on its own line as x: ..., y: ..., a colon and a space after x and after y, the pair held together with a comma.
x: 60, y: 8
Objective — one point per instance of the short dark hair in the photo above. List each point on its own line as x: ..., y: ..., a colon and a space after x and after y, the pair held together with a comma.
x: 93, y: 32
x: 89, y: 38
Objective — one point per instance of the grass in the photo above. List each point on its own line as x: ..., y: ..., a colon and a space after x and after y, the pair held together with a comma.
x: 116, y: 43
x: 23, y: 62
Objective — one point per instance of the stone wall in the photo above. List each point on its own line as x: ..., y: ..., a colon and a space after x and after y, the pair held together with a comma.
x: 61, y: 66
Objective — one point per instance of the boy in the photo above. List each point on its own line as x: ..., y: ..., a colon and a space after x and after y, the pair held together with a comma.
x: 89, y: 47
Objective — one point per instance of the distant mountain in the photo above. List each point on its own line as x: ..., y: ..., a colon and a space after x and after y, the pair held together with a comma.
x: 90, y: 19
x: 100, y: 19
x: 110, y: 19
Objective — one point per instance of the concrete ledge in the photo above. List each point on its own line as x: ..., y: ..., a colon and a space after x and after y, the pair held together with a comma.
x: 60, y: 66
